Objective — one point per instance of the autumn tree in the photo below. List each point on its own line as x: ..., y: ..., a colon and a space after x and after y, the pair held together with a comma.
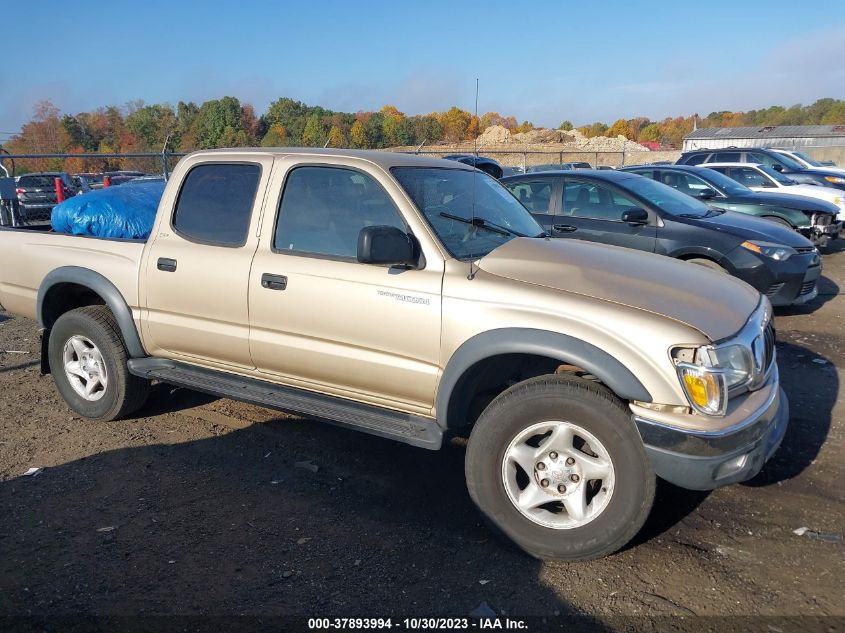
x: 357, y: 137
x: 454, y: 123
x: 619, y: 128
x: 336, y: 138
x: 276, y: 136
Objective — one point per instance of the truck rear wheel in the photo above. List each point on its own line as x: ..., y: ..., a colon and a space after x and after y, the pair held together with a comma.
x: 556, y: 465
x: 88, y: 362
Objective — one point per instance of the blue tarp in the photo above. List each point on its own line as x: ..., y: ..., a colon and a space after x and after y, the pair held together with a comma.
x: 118, y: 212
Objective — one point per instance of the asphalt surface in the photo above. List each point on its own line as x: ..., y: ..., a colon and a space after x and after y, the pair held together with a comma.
x: 208, y: 506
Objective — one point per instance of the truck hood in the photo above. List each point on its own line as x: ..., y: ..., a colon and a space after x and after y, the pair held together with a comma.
x: 713, y: 303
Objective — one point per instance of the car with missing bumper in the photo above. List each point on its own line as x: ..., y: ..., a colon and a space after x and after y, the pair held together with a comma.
x: 416, y: 299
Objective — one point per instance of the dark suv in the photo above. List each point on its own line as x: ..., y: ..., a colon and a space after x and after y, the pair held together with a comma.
x: 37, y: 193
x: 763, y: 156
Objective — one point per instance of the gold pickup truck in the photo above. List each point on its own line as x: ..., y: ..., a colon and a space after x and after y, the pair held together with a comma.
x: 416, y: 299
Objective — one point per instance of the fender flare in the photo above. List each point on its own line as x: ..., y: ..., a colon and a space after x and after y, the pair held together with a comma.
x: 566, y: 349
x: 95, y: 282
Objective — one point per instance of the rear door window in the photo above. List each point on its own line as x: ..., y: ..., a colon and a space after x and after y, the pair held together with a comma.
x: 750, y: 177
x: 696, y: 159
x: 535, y: 196
x: 215, y: 203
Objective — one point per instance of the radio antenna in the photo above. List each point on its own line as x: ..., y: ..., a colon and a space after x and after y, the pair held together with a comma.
x: 474, y: 175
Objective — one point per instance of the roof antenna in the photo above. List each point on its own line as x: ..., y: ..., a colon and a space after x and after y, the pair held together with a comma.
x: 471, y: 275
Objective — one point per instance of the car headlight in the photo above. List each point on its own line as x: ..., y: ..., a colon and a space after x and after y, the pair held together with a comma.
x: 836, y: 180
x: 777, y: 252
x: 715, y: 371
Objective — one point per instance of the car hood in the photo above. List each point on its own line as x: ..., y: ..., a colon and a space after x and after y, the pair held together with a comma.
x: 802, y: 203
x: 815, y: 191
x: 713, y: 303
x: 749, y: 227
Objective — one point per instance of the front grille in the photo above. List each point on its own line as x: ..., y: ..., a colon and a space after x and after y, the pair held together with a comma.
x: 769, y: 342
x: 807, y: 287
x: 772, y: 290
x: 804, y: 249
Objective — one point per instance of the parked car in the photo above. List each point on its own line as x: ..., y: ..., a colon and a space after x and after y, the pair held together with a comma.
x: 815, y: 219
x: 578, y: 372
x: 483, y: 163
x: 624, y: 209
x: 763, y: 178
x: 37, y: 193
x: 808, y: 163
x: 768, y: 157
x: 512, y: 171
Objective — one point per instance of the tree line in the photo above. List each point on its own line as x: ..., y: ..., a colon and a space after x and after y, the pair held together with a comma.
x: 226, y: 122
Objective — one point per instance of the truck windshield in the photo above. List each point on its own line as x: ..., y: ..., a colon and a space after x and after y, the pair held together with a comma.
x: 470, y: 211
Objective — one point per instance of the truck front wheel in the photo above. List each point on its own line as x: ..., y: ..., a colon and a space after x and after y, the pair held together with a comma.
x: 556, y: 464
x: 88, y: 363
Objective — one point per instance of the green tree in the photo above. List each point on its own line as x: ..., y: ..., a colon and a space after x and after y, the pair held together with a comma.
x: 314, y: 134
x: 151, y: 124
x: 566, y: 126
x: 650, y: 132
x: 213, y: 118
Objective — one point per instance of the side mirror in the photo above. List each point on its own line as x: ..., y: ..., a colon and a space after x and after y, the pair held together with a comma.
x: 777, y: 167
x: 635, y: 216
x: 707, y: 193
x: 385, y: 245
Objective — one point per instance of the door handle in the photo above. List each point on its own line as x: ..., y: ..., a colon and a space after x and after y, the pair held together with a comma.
x: 274, y: 282
x: 564, y: 228
x: 167, y: 265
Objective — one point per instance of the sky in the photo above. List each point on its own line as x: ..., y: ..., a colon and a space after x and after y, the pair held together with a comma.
x: 544, y: 61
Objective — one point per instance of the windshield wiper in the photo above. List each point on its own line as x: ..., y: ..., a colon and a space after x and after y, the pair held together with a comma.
x: 484, y: 224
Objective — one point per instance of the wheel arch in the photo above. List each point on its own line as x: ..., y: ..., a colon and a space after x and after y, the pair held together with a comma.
x: 71, y: 287
x: 548, y: 349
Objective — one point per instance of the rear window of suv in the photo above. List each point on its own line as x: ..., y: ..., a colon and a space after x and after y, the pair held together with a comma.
x: 695, y: 159
x: 37, y: 181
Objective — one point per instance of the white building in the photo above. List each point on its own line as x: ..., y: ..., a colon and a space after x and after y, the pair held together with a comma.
x: 782, y: 136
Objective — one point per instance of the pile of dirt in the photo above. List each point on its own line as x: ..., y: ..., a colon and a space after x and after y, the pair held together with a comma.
x: 571, y: 140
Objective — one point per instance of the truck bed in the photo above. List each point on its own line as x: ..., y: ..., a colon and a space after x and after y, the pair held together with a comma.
x: 28, y: 254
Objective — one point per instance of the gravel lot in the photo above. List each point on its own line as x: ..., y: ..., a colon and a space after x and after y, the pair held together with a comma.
x: 209, y: 506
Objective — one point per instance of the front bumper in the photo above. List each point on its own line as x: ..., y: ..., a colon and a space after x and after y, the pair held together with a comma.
x: 703, y: 460
x: 783, y: 282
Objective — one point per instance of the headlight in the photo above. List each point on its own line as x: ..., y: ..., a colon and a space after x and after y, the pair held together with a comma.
x: 769, y: 249
x: 715, y: 371
x: 735, y: 361
x: 836, y: 180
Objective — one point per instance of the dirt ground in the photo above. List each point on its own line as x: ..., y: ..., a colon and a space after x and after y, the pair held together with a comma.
x: 209, y: 506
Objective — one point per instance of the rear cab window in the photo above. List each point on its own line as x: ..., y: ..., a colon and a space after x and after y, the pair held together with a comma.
x: 215, y: 203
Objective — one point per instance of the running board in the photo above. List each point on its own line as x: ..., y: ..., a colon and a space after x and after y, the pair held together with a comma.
x: 403, y: 427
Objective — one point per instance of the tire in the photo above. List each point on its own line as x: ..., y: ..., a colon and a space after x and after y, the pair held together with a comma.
x: 707, y: 263
x: 621, y: 499
x: 89, y: 338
